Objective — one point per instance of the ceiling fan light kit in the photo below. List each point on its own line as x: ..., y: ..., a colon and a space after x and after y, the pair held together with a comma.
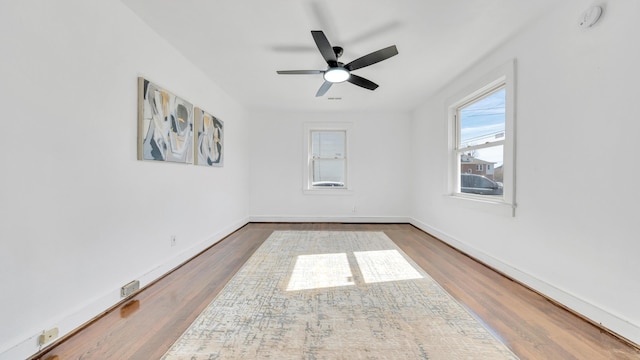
x: 338, y: 72
x: 336, y: 75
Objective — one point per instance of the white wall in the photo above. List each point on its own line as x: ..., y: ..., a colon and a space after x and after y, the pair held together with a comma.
x: 573, y: 236
x: 80, y: 216
x: 378, y: 154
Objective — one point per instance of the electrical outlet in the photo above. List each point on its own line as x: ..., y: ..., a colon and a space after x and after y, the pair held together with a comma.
x: 173, y: 240
x: 130, y: 288
x: 47, y: 336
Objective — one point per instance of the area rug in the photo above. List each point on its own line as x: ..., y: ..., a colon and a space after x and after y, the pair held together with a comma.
x: 334, y: 295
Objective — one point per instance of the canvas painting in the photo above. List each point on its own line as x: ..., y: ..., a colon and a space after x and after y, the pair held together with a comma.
x: 209, y: 139
x: 165, y: 125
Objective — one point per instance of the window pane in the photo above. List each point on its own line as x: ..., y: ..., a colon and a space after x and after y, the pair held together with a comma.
x: 328, y: 172
x: 475, y: 178
x: 483, y: 121
x: 476, y: 159
x: 328, y: 144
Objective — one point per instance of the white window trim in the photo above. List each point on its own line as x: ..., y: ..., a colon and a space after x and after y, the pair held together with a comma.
x: 347, y: 127
x: 504, y: 75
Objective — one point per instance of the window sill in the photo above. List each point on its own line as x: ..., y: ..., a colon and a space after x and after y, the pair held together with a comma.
x: 495, y: 206
x: 328, y: 191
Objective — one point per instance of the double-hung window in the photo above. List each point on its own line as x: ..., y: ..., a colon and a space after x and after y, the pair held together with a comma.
x: 326, y: 163
x: 328, y: 158
x: 482, y: 125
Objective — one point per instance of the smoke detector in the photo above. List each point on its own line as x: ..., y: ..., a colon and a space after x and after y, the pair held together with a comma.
x: 589, y: 17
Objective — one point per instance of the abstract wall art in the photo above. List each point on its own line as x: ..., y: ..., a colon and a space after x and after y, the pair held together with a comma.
x: 165, y: 125
x: 209, y: 139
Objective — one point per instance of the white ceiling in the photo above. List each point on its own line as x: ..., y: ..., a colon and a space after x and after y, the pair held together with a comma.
x: 240, y: 44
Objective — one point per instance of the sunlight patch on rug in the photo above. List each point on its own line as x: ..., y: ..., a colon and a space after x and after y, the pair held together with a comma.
x: 334, y: 295
x: 385, y: 265
x: 320, y: 271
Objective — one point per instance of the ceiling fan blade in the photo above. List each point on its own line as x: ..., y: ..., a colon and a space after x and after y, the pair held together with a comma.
x: 372, y: 58
x: 325, y: 47
x: 323, y: 89
x: 299, y: 72
x: 362, y: 82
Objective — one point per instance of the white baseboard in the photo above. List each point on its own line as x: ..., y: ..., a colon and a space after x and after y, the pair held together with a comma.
x: 614, y: 323
x: 66, y: 323
x: 330, y: 219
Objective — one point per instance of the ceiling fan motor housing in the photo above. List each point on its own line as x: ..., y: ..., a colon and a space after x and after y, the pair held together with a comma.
x: 338, y: 51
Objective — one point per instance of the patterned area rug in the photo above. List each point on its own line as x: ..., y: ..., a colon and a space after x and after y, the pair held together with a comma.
x: 334, y: 295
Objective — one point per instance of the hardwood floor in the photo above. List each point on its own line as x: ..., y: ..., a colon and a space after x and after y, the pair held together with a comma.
x: 147, y: 325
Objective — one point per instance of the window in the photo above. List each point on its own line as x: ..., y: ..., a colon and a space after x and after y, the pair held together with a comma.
x: 326, y: 160
x: 481, y: 120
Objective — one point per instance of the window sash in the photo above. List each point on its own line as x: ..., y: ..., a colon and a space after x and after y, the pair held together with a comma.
x: 480, y: 96
x: 331, y: 165
x: 328, y: 144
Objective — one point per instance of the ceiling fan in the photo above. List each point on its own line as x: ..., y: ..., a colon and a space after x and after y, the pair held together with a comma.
x: 338, y: 72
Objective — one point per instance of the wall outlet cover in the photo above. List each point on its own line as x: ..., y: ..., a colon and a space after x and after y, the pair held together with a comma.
x: 47, y: 336
x: 130, y: 288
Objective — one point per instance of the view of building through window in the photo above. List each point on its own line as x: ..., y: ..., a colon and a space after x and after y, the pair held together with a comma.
x: 480, y: 143
x: 328, y: 157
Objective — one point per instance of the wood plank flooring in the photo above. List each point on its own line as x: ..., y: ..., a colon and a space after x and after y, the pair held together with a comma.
x: 148, y: 324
